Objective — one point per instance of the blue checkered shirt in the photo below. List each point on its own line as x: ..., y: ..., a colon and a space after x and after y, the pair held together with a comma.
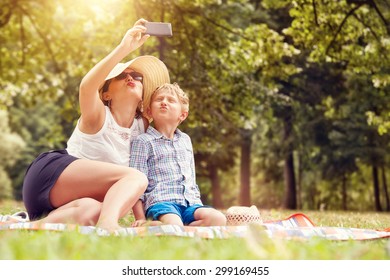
x: 169, y: 165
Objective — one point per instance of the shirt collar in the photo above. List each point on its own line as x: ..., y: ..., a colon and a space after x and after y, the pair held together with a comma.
x: 157, y: 134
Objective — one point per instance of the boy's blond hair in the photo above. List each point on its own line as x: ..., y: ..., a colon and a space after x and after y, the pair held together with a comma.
x: 174, y: 89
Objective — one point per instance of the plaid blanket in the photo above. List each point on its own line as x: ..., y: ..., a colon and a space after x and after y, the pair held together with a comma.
x: 296, y: 226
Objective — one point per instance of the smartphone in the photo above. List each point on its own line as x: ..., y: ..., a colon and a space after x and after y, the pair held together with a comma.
x: 158, y: 29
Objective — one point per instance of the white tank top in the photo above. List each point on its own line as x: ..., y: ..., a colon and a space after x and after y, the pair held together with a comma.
x: 111, y: 144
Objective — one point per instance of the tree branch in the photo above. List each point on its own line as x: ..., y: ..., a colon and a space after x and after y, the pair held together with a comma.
x: 229, y: 30
x: 315, y: 12
x: 342, y: 24
x: 6, y: 13
x: 22, y: 39
x: 220, y: 26
x: 44, y: 39
x: 369, y: 27
x: 372, y: 4
x: 387, y: 25
x: 374, y: 34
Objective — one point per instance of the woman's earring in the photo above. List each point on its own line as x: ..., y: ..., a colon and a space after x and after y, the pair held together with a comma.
x: 109, y: 103
x: 141, y: 107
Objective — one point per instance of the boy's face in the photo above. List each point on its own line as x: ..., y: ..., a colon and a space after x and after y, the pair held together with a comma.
x: 165, y: 106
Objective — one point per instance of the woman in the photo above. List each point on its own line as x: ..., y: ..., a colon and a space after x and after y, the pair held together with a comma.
x: 90, y: 182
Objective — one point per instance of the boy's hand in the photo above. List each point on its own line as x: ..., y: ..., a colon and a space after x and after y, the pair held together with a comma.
x: 139, y: 223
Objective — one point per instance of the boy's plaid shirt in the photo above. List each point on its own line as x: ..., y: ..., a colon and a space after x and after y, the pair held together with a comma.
x: 169, y: 165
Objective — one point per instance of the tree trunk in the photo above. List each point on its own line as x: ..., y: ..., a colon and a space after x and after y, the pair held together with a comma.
x: 344, y: 193
x: 244, y: 197
x: 215, y: 187
x: 299, y: 182
x: 384, y: 182
x: 290, y: 199
x: 376, y: 188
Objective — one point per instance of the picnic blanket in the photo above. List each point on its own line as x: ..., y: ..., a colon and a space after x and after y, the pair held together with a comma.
x: 296, y: 226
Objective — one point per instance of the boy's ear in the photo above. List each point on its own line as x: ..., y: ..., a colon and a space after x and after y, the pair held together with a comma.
x: 183, y: 116
x: 148, y: 113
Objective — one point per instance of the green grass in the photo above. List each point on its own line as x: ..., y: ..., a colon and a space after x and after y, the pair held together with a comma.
x: 42, y: 245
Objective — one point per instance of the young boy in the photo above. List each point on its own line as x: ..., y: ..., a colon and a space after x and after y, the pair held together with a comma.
x: 164, y: 154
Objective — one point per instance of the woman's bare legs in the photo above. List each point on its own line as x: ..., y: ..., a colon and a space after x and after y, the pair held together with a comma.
x: 83, y: 211
x: 117, y: 187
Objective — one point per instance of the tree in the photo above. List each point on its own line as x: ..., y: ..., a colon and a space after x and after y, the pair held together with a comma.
x: 46, y: 48
x: 227, y: 60
x: 351, y: 34
x: 274, y: 86
x: 11, y: 145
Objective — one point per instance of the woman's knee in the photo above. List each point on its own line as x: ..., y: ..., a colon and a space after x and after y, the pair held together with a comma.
x: 87, y: 211
x: 143, y: 180
x: 138, y: 180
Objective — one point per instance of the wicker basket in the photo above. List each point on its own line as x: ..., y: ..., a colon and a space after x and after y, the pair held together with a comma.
x: 241, y: 215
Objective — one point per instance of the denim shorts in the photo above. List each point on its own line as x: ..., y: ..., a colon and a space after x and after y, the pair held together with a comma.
x: 186, y: 213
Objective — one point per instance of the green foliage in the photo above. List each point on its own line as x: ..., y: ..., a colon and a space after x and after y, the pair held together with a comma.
x: 11, y: 145
x: 352, y: 31
x: 5, y: 185
x: 248, y: 66
x: 346, y: 39
x: 381, y: 122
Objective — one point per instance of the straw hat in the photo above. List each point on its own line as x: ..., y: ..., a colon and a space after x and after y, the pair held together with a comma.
x: 154, y: 71
x: 241, y: 215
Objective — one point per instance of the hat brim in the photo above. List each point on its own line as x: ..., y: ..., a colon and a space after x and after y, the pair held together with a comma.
x: 155, y: 73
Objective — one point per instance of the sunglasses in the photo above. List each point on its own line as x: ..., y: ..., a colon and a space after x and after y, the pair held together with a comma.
x: 135, y: 75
